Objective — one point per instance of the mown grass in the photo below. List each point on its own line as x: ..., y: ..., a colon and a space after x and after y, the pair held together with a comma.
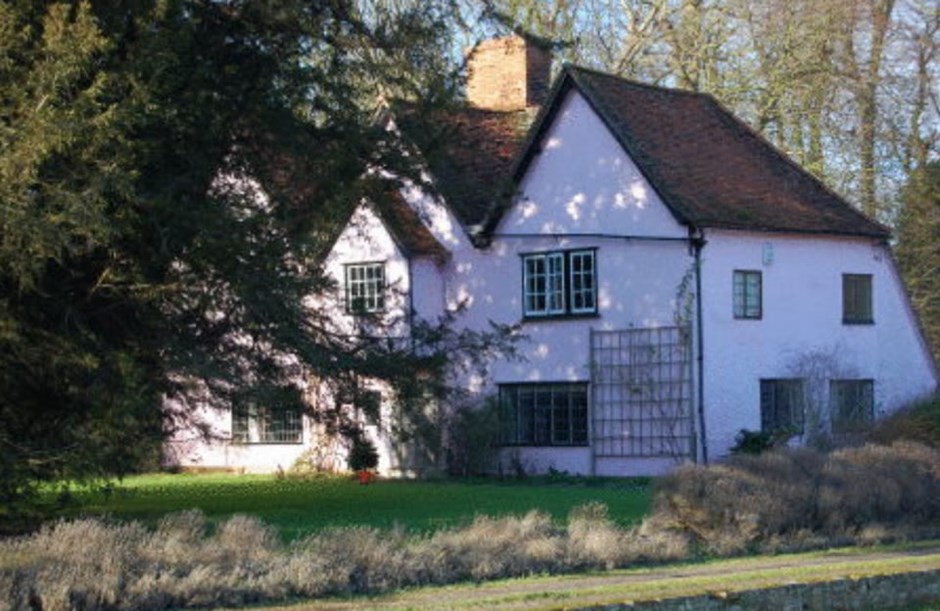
x: 717, y: 577
x: 298, y: 507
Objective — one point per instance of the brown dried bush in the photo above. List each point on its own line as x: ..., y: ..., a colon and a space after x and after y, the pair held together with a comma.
x: 795, y: 499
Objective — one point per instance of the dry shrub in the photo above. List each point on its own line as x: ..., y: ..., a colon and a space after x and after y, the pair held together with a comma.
x: 594, y: 540
x: 491, y: 548
x: 797, y: 499
x: 919, y: 423
x: 895, y: 486
x: 777, y: 501
x: 655, y: 540
x: 349, y: 561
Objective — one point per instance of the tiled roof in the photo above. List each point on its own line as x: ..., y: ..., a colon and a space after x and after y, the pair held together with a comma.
x: 708, y: 167
x: 406, y: 227
x: 470, y: 153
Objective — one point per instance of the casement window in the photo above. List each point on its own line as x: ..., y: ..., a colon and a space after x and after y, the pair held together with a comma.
x: 561, y: 283
x: 748, y: 302
x: 544, y: 414
x: 365, y: 288
x: 781, y: 404
x: 851, y: 405
x: 254, y: 424
x: 857, y: 299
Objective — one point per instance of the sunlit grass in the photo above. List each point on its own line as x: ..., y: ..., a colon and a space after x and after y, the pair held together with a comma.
x: 297, y: 507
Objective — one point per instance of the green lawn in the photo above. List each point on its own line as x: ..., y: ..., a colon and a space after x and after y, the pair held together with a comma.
x: 297, y: 507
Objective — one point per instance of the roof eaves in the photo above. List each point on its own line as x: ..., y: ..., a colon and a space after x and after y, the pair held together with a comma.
x: 879, y: 230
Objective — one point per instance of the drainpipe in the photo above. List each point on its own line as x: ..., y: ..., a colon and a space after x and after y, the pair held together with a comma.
x: 698, y: 244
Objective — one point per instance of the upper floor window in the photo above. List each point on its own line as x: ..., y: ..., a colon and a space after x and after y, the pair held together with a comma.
x: 560, y: 283
x: 748, y: 302
x: 781, y: 404
x: 365, y: 288
x: 851, y: 405
x: 857, y: 299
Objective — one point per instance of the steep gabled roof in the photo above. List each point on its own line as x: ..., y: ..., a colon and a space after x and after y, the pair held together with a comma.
x: 411, y: 235
x: 403, y: 223
x: 709, y: 168
x: 470, y: 153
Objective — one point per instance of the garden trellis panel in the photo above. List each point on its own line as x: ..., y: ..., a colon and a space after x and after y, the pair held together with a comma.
x: 641, y: 393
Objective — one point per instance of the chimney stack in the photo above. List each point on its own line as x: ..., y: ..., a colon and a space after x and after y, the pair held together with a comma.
x: 509, y: 73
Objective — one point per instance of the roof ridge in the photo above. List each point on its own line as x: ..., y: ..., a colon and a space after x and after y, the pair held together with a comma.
x: 638, y: 83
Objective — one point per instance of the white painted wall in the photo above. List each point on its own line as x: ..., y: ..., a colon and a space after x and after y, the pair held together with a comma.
x: 582, y: 191
x: 802, y: 317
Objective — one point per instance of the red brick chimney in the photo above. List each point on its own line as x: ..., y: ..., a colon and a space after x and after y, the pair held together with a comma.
x: 509, y: 73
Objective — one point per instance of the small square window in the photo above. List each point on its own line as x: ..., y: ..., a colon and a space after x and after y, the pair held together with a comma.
x: 781, y: 404
x: 851, y: 405
x: 748, y: 301
x: 857, y: 299
x: 365, y: 288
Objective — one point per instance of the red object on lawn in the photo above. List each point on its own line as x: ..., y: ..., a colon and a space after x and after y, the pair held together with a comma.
x: 366, y: 477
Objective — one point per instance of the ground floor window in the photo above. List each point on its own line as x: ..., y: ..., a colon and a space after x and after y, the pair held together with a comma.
x: 254, y: 424
x: 544, y: 414
x: 851, y: 405
x: 781, y: 404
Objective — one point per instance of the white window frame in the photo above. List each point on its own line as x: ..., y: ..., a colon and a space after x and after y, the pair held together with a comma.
x: 253, y: 424
x: 551, y: 287
x: 583, y: 291
x: 365, y: 287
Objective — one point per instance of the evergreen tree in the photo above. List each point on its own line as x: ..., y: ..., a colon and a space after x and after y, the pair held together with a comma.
x: 136, y: 261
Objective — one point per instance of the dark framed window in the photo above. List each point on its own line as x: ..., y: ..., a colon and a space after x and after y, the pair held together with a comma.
x: 748, y: 300
x: 781, y: 404
x: 544, y: 414
x: 256, y: 424
x: 857, y: 299
x: 560, y: 283
x: 365, y: 288
x: 851, y: 405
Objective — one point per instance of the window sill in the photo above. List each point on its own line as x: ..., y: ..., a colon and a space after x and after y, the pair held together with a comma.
x: 546, y: 445
x: 749, y: 318
x: 560, y: 317
x: 855, y: 323
x: 267, y: 443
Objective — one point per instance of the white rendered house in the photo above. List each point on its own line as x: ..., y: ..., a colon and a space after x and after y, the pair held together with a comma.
x: 676, y: 278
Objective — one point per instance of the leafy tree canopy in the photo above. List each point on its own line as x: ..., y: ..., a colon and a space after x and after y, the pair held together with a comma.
x: 130, y: 268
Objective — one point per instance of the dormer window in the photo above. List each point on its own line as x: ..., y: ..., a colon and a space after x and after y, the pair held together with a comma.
x: 559, y: 283
x: 365, y: 288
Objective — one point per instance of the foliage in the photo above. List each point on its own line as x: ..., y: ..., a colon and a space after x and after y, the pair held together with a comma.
x: 183, y: 563
x: 845, y: 88
x: 473, y: 431
x: 918, y: 248
x: 789, y: 499
x: 171, y: 173
x: 363, y: 455
x: 757, y: 442
x: 919, y: 423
